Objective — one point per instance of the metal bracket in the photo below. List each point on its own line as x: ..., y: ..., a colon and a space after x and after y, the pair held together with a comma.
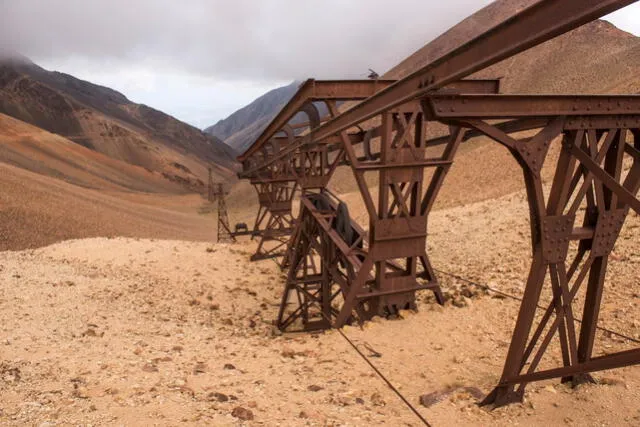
x: 534, y: 154
x: 608, y: 229
x: 556, y: 234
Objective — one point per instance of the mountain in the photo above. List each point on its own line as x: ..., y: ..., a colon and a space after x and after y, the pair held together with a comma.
x: 566, y: 64
x: 241, y: 128
x: 34, y: 149
x: 595, y: 58
x: 105, y: 121
x: 55, y: 189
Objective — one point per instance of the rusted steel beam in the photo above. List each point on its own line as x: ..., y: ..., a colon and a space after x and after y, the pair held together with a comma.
x: 484, y: 86
x: 274, y: 221
x: 609, y: 361
x: 315, y: 90
x: 595, y: 157
x: 354, y: 90
x: 513, y: 106
x: 353, y: 137
x: 303, y: 125
x: 510, y: 126
x: 532, y: 26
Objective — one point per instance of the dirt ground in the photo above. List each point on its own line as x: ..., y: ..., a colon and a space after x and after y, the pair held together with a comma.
x: 159, y: 332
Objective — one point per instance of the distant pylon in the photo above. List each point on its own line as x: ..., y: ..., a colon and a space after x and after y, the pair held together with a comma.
x: 216, y: 192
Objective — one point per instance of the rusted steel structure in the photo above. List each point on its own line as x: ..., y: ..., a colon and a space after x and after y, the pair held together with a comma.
x: 217, y: 193
x: 306, y: 170
x: 339, y: 273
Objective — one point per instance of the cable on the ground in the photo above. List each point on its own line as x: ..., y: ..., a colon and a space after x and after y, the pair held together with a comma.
x: 470, y: 282
x: 375, y: 369
x: 539, y: 307
x: 381, y: 375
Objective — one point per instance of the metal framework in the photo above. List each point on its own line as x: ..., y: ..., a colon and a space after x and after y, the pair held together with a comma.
x: 339, y: 273
x: 216, y: 192
x: 307, y: 170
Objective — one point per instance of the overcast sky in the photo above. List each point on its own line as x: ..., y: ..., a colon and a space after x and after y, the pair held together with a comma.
x: 200, y: 60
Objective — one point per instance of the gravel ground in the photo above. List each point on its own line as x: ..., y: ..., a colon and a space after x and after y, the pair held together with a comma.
x: 138, y: 332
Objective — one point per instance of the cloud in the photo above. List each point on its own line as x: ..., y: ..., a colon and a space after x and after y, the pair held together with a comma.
x: 243, y: 39
x: 202, y: 59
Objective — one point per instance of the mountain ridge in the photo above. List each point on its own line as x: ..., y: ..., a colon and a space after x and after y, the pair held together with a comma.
x: 517, y: 72
x: 106, y: 121
x: 243, y: 126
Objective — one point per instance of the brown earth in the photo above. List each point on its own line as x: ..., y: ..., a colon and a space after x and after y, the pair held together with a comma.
x: 36, y: 210
x: 124, y: 331
x: 105, y: 121
x: 36, y: 150
x: 138, y: 332
x: 54, y: 189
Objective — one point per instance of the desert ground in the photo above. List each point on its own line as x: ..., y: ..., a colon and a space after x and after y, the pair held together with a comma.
x: 118, y: 306
x: 130, y: 331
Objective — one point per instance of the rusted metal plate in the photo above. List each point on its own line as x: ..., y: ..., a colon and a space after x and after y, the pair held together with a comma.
x: 556, y: 235
x: 608, y: 229
x: 512, y: 106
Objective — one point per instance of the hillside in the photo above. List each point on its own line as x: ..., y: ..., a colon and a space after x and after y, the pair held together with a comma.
x: 37, y: 210
x: 241, y: 128
x: 483, y: 169
x: 106, y: 168
x: 568, y: 61
x: 31, y: 148
x: 105, y: 121
x: 54, y: 189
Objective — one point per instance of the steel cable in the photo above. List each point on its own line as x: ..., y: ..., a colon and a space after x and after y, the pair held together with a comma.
x: 479, y: 285
x: 539, y: 307
x: 375, y: 369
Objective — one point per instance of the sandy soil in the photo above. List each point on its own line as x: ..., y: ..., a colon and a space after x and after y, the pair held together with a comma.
x: 53, y: 189
x: 39, y: 151
x: 36, y: 210
x: 140, y: 332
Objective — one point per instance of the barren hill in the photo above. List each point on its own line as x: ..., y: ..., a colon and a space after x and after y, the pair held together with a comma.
x: 241, y: 128
x: 137, y: 184
x: 34, y: 149
x: 104, y: 120
x: 37, y: 210
x: 595, y: 58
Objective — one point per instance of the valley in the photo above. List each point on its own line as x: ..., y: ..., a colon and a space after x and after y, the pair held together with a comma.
x: 118, y: 306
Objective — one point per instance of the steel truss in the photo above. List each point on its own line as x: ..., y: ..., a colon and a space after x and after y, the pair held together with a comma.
x: 600, y: 136
x: 338, y: 273
x: 216, y: 192
x: 274, y: 221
